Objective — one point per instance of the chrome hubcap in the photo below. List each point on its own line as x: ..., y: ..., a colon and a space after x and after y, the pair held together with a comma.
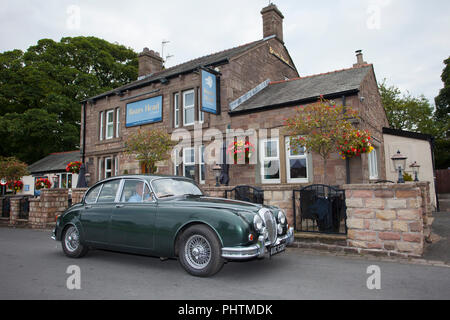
x: 197, y: 252
x: 72, y: 239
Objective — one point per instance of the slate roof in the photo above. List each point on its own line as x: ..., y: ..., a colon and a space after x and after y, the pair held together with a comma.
x: 55, y: 162
x: 305, y: 89
x: 209, y: 60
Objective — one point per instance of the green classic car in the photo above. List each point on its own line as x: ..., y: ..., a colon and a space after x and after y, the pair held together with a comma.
x: 169, y: 217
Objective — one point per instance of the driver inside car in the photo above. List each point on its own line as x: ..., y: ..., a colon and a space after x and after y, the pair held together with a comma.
x: 140, y: 195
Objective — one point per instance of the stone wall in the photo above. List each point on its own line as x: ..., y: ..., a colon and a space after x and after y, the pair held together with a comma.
x: 14, y: 211
x: 45, y: 209
x: 274, y: 195
x: 77, y: 195
x: 387, y: 218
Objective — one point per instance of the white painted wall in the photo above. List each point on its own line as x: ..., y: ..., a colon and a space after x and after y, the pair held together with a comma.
x: 416, y: 150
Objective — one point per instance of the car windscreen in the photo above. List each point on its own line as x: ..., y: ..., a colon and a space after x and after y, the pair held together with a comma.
x: 175, y: 187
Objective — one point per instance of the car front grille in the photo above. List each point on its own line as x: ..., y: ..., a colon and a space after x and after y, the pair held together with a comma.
x: 271, y: 224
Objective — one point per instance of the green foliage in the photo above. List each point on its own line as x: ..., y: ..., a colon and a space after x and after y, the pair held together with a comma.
x: 12, y: 169
x: 407, y: 177
x: 416, y: 114
x: 320, y: 128
x: 150, y: 147
x: 443, y: 99
x: 41, y: 90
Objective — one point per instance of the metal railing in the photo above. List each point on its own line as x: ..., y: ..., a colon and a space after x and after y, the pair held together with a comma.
x: 320, y: 209
x: 6, y: 207
x: 246, y: 193
x: 24, y: 208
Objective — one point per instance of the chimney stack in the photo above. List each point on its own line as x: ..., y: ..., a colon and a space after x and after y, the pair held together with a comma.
x: 359, y: 59
x: 272, y: 22
x: 149, y: 62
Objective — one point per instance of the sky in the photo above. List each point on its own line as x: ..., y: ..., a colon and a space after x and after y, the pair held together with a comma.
x: 406, y: 40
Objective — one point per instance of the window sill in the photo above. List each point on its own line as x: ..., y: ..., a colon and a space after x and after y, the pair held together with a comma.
x: 113, y: 140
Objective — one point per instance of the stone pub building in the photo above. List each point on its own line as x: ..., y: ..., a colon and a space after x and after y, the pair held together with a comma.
x: 254, y: 86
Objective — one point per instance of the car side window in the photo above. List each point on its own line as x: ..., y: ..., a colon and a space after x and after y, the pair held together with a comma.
x: 135, y: 191
x: 109, y: 191
x: 91, y: 197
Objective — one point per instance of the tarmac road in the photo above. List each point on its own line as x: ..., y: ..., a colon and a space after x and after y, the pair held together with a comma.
x: 34, y: 267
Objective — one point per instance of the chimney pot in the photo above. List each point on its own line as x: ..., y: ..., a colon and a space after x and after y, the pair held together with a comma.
x: 272, y: 22
x: 149, y: 62
x: 359, y: 59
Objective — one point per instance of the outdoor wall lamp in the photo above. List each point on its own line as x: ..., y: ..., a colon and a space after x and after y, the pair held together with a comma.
x: 415, y: 168
x: 87, y: 176
x: 55, y: 182
x: 217, y: 170
x: 399, y: 164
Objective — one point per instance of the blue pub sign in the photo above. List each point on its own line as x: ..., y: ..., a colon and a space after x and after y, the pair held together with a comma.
x: 209, y: 93
x: 144, y: 111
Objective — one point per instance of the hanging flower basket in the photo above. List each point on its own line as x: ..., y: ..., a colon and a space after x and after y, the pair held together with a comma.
x: 15, y: 185
x: 240, y: 150
x: 42, y: 183
x: 354, y: 144
x: 74, y: 167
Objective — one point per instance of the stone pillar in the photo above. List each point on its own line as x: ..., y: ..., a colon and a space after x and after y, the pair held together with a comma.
x: 14, y: 211
x: 77, y: 195
x: 385, y: 217
x: 51, y: 203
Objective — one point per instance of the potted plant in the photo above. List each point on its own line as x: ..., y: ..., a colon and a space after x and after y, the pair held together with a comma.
x: 74, y: 167
x: 42, y: 183
x: 16, y: 185
x: 354, y: 143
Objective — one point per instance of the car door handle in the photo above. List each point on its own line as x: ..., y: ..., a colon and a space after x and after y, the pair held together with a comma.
x: 87, y: 207
x: 118, y: 206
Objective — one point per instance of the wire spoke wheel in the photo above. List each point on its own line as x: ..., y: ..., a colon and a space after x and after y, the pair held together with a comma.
x: 198, y: 252
x: 72, y: 239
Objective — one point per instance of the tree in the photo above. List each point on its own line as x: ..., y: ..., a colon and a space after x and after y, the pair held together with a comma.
x: 443, y: 99
x: 416, y: 114
x: 12, y: 169
x: 320, y: 128
x: 406, y: 112
x: 49, y: 81
x: 150, y: 147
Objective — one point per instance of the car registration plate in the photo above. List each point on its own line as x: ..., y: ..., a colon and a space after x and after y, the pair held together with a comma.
x: 277, y: 249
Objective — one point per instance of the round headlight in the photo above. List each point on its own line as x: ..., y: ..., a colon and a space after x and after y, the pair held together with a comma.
x: 281, y: 217
x: 258, y: 223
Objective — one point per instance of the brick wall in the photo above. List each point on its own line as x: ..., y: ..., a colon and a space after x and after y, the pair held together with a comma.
x: 388, y: 218
x: 77, y: 195
x: 51, y: 203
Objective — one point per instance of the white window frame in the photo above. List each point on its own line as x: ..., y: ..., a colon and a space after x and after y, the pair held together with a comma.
x: 290, y: 157
x: 109, y: 125
x: 185, y: 163
x: 101, y: 126
x: 201, y: 179
x: 106, y: 167
x: 116, y: 166
x: 185, y: 107
x: 117, y: 122
x: 176, y: 110
x: 264, y: 159
x: 100, y: 169
x: 201, y: 115
x: 373, y: 164
x: 60, y: 185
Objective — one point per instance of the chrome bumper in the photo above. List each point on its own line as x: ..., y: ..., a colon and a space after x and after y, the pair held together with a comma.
x: 258, y: 250
x: 54, y: 234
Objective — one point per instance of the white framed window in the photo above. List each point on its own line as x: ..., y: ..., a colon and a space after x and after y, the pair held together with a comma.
x: 110, y: 124
x: 176, y: 110
x: 116, y: 166
x: 201, y: 115
x: 176, y: 162
x: 189, y: 163
x: 108, y: 167
x: 373, y: 164
x: 188, y: 108
x: 65, y: 181
x: 296, y: 163
x: 117, y: 122
x: 100, y: 169
x: 202, y: 167
x: 270, y: 161
x: 101, y: 126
